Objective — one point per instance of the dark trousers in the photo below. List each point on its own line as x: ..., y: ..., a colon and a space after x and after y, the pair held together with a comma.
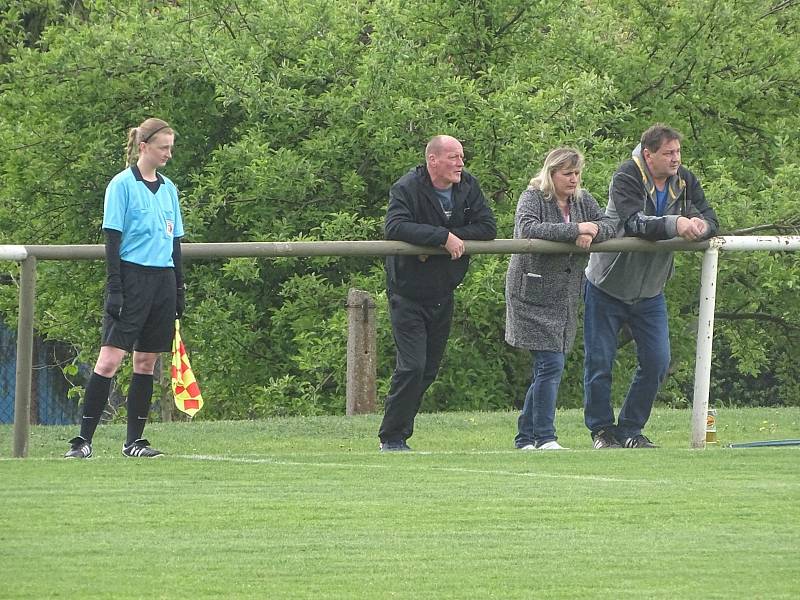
x: 420, y: 336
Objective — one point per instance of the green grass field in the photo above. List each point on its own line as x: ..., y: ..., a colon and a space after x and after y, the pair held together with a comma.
x: 308, y: 508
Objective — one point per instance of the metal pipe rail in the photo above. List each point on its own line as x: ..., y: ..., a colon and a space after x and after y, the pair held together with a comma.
x: 28, y: 255
x: 15, y: 253
x: 359, y: 248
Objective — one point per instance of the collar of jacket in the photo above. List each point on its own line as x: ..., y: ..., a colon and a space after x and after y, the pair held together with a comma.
x: 675, y: 183
x: 425, y: 177
x: 138, y: 174
x: 458, y: 188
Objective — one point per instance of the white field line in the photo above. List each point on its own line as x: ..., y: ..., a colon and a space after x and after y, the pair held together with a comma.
x: 416, y: 467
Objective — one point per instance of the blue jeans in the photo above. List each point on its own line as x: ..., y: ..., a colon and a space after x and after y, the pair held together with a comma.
x: 537, y: 422
x: 604, y: 317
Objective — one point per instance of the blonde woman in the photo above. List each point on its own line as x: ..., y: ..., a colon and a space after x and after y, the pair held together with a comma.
x: 144, y: 290
x: 543, y: 290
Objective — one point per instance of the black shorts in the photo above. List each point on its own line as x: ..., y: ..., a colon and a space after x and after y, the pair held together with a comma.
x: 147, y: 322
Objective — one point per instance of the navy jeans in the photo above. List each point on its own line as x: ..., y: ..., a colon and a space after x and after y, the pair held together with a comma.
x: 603, y: 319
x: 537, y: 422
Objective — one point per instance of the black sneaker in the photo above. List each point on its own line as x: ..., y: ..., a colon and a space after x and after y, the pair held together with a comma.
x: 141, y: 449
x: 639, y: 441
x: 79, y: 448
x: 395, y: 446
x: 604, y: 440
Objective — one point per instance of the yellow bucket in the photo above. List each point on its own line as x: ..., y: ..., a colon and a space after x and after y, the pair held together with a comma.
x: 711, y: 426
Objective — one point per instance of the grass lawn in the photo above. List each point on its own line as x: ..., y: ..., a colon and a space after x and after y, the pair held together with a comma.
x: 308, y: 508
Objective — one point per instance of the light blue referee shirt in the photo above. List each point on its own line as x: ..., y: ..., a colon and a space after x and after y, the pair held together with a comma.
x: 148, y: 221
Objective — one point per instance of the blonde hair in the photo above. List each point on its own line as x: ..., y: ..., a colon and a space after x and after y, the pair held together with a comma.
x: 560, y: 158
x: 143, y: 133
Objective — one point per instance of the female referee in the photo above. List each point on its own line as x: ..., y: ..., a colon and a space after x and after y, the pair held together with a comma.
x: 144, y: 290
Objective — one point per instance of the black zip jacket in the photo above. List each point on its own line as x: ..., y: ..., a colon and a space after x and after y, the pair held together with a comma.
x: 416, y: 216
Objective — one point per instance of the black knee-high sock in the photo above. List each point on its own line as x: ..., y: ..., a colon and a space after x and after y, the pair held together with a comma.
x: 97, y: 390
x: 139, y: 395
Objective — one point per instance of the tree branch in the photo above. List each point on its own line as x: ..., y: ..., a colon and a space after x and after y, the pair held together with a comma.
x: 780, y: 6
x: 504, y: 29
x: 779, y: 227
x: 671, y: 68
x: 758, y: 316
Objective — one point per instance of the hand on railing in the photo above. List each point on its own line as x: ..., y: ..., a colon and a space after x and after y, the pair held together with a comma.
x: 691, y: 229
x: 454, y: 245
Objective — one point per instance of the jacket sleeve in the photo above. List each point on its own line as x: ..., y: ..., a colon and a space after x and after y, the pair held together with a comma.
x: 401, y: 222
x: 177, y: 261
x: 530, y: 223
x: 697, y: 206
x: 480, y: 223
x: 606, y: 227
x: 112, y: 245
x: 629, y: 198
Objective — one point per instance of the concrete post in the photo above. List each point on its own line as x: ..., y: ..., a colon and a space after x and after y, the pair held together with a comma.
x: 22, y: 391
x: 163, y: 368
x: 361, y: 353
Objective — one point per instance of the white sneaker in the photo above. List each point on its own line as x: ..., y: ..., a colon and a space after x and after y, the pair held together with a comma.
x: 527, y: 447
x: 551, y: 445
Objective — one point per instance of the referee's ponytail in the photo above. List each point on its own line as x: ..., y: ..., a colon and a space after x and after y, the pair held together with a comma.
x: 143, y: 133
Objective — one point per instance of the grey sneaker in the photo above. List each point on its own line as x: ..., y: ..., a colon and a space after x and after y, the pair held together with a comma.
x: 395, y: 446
x: 79, y: 448
x: 639, y: 441
x: 604, y: 440
x: 141, y: 449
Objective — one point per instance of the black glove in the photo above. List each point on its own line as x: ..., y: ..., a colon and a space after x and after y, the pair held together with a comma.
x: 180, y: 302
x: 114, y: 300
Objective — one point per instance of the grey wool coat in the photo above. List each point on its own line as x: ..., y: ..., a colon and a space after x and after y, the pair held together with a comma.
x: 543, y: 291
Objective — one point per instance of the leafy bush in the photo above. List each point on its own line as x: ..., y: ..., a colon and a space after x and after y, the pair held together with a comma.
x: 294, y: 118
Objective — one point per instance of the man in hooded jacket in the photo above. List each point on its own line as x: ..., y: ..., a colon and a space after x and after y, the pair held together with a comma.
x: 653, y: 197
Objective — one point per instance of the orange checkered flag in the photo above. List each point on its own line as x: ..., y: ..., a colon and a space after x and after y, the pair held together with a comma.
x: 187, y: 393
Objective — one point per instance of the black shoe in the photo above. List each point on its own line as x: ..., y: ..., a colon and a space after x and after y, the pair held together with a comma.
x: 639, y: 441
x: 395, y: 446
x: 79, y: 448
x: 605, y: 439
x: 141, y: 449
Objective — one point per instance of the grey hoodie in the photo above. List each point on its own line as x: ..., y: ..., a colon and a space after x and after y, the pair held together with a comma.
x: 633, y: 276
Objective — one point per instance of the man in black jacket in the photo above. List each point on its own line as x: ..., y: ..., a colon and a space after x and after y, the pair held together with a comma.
x: 436, y: 204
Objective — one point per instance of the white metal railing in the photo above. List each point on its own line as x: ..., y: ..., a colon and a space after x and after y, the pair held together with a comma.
x: 16, y: 253
x: 27, y: 255
x: 705, y: 327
